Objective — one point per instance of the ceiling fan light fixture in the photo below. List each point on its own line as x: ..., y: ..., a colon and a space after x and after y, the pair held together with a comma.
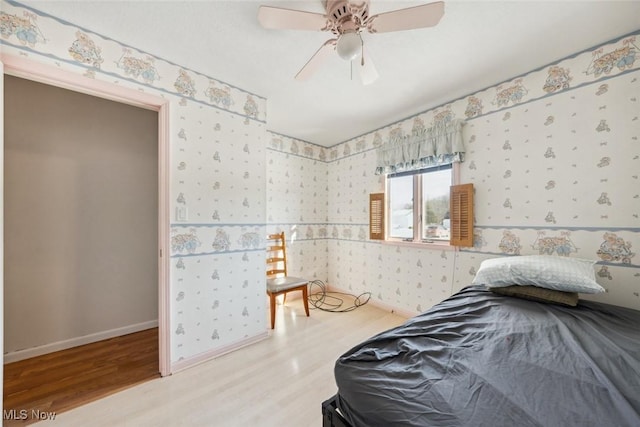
x: 349, y: 45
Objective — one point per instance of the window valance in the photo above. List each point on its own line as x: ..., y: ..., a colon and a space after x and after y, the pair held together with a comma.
x: 437, y: 145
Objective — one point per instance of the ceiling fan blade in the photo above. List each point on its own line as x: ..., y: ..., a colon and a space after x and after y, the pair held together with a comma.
x: 288, y: 19
x: 410, y: 18
x: 368, y: 72
x: 316, y: 60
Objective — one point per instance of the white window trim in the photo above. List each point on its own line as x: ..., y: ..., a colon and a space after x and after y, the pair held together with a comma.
x: 397, y: 241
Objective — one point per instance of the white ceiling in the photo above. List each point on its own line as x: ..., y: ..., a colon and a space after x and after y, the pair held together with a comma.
x: 477, y: 44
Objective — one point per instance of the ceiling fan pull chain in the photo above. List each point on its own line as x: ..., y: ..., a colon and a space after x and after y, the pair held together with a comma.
x: 361, y: 51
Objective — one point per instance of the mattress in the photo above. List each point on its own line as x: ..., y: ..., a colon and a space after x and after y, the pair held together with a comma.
x: 482, y: 359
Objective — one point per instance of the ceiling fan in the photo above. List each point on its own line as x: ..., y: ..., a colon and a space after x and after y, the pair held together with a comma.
x: 346, y: 19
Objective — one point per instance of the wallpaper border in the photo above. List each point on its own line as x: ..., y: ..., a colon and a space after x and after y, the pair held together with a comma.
x: 572, y: 56
x: 123, y: 76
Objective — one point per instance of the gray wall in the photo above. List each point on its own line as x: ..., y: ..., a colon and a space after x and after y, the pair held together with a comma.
x: 81, y: 190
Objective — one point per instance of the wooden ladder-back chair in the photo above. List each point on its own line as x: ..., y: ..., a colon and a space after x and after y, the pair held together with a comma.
x: 278, y: 282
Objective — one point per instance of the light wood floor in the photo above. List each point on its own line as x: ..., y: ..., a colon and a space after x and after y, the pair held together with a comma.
x: 278, y: 382
x: 59, y: 381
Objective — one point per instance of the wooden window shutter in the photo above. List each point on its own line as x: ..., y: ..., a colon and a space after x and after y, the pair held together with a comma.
x: 461, y: 213
x: 376, y: 216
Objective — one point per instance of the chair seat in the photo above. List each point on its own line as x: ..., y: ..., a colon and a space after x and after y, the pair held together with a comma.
x: 279, y: 284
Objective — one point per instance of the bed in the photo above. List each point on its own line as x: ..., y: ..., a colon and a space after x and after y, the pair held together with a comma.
x: 480, y: 358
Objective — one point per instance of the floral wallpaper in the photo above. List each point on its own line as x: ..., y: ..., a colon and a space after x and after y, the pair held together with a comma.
x: 297, y: 203
x: 217, y: 176
x: 554, y: 156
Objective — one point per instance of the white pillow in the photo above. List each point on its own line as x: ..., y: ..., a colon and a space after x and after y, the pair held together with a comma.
x: 546, y: 271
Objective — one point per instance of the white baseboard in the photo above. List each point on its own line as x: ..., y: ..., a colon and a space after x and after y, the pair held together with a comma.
x: 212, y: 354
x: 381, y: 305
x: 77, y: 341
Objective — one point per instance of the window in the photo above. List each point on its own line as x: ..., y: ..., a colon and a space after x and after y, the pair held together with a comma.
x: 418, y: 205
x: 400, y: 192
x: 423, y: 207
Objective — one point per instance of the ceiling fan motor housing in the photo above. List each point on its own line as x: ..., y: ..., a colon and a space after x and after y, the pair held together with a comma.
x: 346, y: 16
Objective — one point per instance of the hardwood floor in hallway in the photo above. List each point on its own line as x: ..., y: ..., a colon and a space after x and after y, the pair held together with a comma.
x: 53, y: 383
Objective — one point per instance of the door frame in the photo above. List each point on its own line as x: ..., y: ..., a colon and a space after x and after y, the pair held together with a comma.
x: 43, y: 73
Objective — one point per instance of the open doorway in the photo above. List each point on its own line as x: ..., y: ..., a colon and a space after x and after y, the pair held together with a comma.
x: 81, y: 312
x: 80, y: 218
